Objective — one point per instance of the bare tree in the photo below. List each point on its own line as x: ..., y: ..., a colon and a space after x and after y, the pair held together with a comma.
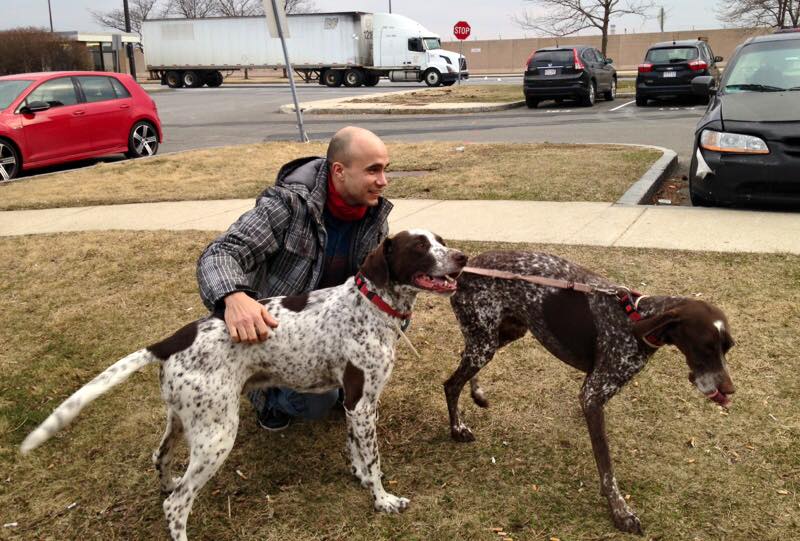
x: 239, y: 8
x: 191, y: 9
x: 565, y: 17
x: 300, y: 6
x: 139, y: 10
x: 770, y: 13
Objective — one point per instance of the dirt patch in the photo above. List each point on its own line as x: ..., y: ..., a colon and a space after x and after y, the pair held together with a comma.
x: 673, y: 191
x: 454, y: 94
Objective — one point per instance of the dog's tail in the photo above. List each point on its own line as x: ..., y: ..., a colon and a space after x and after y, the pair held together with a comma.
x: 70, y: 408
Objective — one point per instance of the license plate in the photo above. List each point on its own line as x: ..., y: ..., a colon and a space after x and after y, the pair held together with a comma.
x: 670, y: 74
x: 549, y: 72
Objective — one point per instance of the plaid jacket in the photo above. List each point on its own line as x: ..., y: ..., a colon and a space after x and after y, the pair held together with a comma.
x: 278, y: 247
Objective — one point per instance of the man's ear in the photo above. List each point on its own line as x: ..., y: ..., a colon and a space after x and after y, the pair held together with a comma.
x: 336, y: 169
x: 376, y: 265
x: 656, y: 325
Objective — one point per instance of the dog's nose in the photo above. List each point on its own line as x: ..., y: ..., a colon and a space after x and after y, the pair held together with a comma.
x: 460, y: 258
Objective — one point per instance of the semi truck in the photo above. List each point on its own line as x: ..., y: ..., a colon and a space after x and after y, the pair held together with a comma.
x: 350, y: 48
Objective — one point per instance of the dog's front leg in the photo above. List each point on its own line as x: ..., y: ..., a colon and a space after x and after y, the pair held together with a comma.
x: 362, y: 442
x: 596, y: 391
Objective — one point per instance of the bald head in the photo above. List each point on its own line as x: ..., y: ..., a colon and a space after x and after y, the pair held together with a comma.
x: 351, y: 143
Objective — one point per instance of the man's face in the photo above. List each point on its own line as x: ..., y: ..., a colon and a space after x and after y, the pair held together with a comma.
x: 362, y: 181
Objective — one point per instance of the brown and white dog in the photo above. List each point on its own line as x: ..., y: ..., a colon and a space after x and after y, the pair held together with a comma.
x: 589, y: 331
x: 342, y: 336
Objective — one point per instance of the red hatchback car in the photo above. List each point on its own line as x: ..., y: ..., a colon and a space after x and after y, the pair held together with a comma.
x: 55, y: 117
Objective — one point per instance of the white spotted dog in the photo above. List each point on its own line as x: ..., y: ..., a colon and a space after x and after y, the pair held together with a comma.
x: 342, y: 336
x: 608, y: 336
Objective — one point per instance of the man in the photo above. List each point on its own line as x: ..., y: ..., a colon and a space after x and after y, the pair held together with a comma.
x: 310, y: 231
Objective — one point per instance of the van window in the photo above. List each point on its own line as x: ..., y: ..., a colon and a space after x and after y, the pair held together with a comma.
x: 97, y: 88
x: 56, y: 92
x: 563, y: 57
x: 671, y: 54
x: 415, y: 45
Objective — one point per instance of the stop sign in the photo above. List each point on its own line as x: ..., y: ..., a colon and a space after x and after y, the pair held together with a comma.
x: 462, y: 29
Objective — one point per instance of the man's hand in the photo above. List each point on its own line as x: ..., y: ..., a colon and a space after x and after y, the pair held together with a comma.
x: 247, y: 319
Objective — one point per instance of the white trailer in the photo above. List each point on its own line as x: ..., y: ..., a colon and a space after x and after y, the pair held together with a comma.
x: 351, y: 48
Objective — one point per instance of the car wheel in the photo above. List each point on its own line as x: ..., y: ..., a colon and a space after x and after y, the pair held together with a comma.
x: 371, y: 79
x: 353, y: 78
x: 142, y: 141
x: 332, y: 78
x: 9, y: 161
x: 214, y: 79
x: 699, y: 200
x: 641, y: 101
x: 432, y: 77
x: 532, y: 103
x: 611, y: 93
x: 191, y: 79
x: 591, y: 97
x: 173, y: 79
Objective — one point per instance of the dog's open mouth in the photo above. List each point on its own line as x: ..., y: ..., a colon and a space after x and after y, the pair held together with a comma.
x: 719, y: 397
x: 439, y: 284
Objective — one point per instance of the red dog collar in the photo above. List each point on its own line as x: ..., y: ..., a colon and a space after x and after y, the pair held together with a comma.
x: 629, y: 303
x: 376, y: 299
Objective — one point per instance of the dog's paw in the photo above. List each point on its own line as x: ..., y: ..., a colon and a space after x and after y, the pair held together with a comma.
x: 628, y: 522
x: 168, y: 487
x: 480, y: 399
x: 461, y: 433
x: 389, y: 503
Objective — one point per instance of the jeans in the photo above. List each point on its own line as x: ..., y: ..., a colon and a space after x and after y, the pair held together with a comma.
x: 293, y: 403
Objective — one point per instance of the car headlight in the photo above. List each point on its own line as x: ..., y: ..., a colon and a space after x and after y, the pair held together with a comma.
x: 732, y: 142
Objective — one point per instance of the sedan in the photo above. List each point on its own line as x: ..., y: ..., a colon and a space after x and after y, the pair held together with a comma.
x: 57, y: 117
x: 747, y: 145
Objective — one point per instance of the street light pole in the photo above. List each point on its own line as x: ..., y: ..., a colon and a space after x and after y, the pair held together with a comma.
x: 129, y: 46
x: 50, y: 12
x: 390, y: 6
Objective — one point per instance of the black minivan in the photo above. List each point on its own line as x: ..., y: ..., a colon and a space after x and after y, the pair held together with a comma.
x: 578, y: 72
x: 670, y: 66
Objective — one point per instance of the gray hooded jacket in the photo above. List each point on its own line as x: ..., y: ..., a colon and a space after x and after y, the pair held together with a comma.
x: 278, y: 247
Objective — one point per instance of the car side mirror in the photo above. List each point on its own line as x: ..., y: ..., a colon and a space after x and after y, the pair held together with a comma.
x: 703, y: 85
x: 718, y: 59
x: 35, y: 107
x: 609, y: 60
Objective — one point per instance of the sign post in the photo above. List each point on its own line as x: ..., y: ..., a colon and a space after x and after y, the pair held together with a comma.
x: 461, y: 31
x: 276, y: 24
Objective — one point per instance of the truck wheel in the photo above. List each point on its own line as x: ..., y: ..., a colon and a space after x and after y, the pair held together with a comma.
x: 371, y: 79
x: 432, y: 77
x: 332, y: 78
x: 353, y: 77
x: 173, y: 79
x: 214, y: 79
x: 191, y: 79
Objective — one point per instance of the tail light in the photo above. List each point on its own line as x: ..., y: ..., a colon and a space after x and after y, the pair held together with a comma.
x: 698, y: 65
x: 578, y: 64
x: 645, y: 68
x: 528, y: 61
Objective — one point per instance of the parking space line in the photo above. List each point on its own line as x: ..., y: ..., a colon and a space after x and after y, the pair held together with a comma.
x: 621, y: 106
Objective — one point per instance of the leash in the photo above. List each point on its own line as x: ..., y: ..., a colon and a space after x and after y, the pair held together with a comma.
x: 627, y: 298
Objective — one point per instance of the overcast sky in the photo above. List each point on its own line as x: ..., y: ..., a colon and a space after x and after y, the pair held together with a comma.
x: 490, y: 19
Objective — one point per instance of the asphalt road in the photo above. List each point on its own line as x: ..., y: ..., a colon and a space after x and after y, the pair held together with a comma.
x: 236, y: 114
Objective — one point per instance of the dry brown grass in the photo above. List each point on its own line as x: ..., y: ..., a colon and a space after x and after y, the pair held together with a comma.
x: 481, y: 171
x: 75, y: 303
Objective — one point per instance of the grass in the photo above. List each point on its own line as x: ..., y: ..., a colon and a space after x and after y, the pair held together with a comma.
x: 76, y: 302
x: 544, y: 172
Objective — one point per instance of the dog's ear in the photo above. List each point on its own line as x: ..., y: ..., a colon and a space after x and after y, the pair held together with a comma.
x: 376, y: 265
x: 656, y: 325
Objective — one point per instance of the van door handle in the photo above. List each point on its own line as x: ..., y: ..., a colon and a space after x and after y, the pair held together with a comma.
x: 79, y: 113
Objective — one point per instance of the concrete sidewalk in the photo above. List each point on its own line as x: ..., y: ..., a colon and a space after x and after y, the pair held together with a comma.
x: 599, y: 224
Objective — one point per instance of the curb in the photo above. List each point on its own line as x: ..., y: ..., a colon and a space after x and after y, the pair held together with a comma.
x: 644, y: 188
x: 339, y: 106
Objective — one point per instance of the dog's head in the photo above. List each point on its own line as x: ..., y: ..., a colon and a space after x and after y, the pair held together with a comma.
x: 417, y: 259
x: 700, y: 331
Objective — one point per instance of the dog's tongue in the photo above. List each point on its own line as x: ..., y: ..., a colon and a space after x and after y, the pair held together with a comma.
x: 719, y: 398
x: 434, y: 283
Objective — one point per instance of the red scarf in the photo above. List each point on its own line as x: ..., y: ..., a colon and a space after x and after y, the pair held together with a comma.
x: 339, y: 208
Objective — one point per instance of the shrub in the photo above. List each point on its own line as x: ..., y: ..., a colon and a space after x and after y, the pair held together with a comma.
x: 24, y: 50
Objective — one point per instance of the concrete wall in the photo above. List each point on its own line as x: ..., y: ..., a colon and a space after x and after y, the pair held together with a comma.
x: 627, y: 50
